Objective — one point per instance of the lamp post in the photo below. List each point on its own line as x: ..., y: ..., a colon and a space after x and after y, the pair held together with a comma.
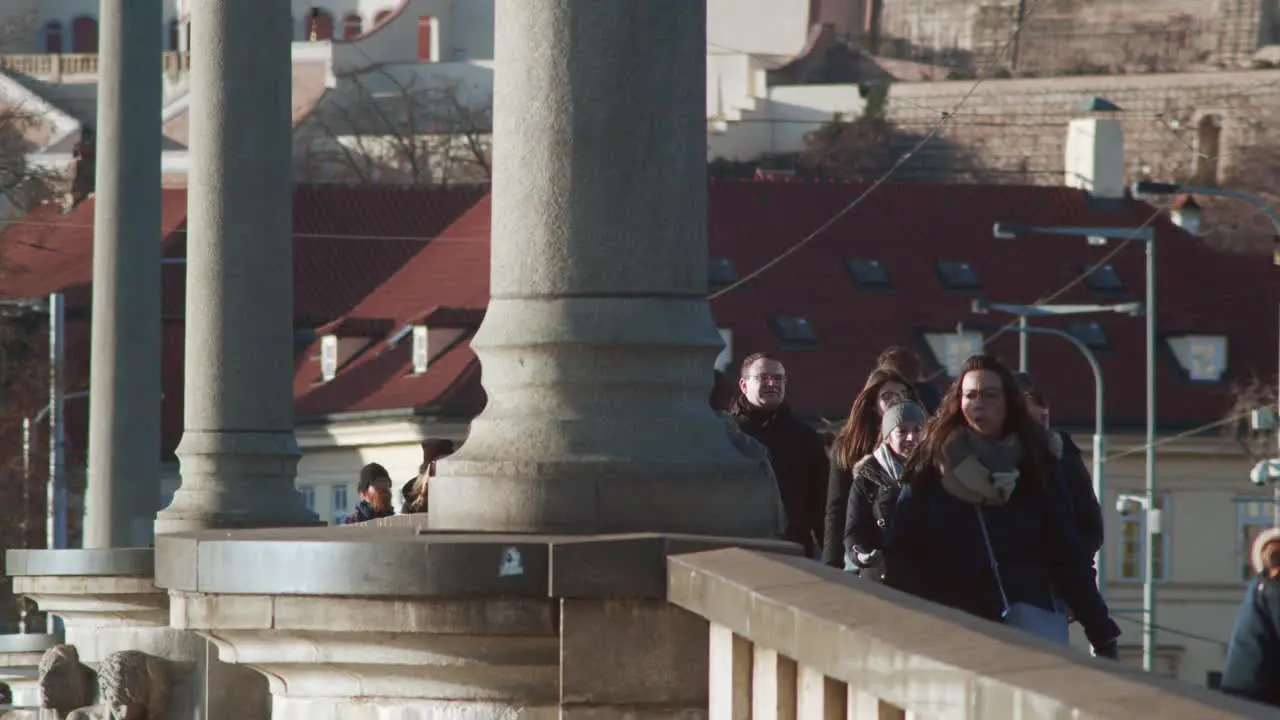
x: 1099, y: 432
x: 56, y: 493
x: 1100, y: 236
x: 1189, y: 216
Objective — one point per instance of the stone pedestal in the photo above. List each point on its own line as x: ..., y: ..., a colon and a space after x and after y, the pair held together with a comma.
x: 108, y: 602
x: 598, y: 342
x: 19, y: 663
x: 387, y: 624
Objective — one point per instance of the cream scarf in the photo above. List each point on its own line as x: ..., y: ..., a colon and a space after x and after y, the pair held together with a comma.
x: 980, y: 472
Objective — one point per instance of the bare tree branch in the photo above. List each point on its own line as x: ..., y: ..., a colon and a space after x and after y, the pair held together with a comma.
x: 382, y: 128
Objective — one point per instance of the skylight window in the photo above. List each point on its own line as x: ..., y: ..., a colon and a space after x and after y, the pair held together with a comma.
x: 721, y: 272
x: 957, y: 275
x: 1202, y: 357
x: 1090, y: 333
x: 868, y: 274
x: 794, y: 331
x: 1103, y: 279
x: 952, y: 350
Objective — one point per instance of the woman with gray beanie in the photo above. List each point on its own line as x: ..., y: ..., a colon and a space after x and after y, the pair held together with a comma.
x: 875, y: 486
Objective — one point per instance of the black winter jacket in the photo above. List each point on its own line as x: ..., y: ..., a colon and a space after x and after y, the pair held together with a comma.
x: 1253, y: 657
x: 1078, y: 486
x: 799, y: 461
x: 871, y: 501
x: 935, y: 551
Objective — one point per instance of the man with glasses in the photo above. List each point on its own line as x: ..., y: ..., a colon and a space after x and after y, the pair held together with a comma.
x: 796, y: 451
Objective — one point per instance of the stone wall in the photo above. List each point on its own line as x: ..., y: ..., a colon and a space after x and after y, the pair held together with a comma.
x: 1065, y: 37
x: 1015, y: 130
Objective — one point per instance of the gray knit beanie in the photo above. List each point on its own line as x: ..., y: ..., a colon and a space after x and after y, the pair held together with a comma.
x: 900, y: 413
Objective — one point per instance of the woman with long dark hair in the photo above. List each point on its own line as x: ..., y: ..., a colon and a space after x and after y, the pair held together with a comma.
x: 979, y: 525
x: 859, y: 437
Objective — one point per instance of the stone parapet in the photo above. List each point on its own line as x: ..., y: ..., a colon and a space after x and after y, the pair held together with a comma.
x: 19, y: 661
x: 108, y: 602
x: 395, y: 623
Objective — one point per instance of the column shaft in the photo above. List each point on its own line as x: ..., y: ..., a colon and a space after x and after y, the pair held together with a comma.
x: 123, y: 489
x: 598, y: 343
x: 238, y: 451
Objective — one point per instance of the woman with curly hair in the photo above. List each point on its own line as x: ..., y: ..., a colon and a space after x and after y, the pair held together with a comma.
x: 859, y: 437
x: 980, y: 524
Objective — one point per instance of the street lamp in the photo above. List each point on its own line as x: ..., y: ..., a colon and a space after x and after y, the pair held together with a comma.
x: 1023, y: 312
x: 1099, y: 435
x: 1189, y: 216
x: 1100, y: 236
x: 56, y: 494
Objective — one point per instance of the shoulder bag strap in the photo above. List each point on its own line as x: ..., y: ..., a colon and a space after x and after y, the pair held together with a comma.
x: 991, y: 555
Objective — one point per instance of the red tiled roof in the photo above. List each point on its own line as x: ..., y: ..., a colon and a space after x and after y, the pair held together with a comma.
x: 347, y: 242
x: 907, y: 227
x: 446, y: 284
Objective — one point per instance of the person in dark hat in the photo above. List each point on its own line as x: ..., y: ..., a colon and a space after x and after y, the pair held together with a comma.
x: 414, y: 492
x: 375, y: 495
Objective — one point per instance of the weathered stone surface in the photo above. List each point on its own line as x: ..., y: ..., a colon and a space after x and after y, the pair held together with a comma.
x: 664, y: 666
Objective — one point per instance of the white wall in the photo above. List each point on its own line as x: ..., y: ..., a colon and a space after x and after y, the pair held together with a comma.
x: 780, y: 121
x: 759, y: 27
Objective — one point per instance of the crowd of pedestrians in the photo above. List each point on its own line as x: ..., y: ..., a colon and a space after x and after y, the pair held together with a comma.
x: 967, y: 498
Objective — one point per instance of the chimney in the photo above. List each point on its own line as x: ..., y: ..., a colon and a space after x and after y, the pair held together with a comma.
x: 1094, y: 159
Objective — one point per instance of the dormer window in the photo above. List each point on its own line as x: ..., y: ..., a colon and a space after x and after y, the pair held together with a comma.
x: 328, y: 357
x: 1103, y: 280
x: 795, y: 332
x: 1090, y: 333
x: 957, y: 275
x: 1202, y: 357
x: 421, y: 349
x: 868, y: 274
x: 721, y: 273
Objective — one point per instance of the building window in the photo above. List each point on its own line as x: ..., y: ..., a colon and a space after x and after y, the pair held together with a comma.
x: 868, y: 274
x: 721, y: 272
x: 53, y: 37
x: 308, y: 496
x: 955, y: 275
x: 319, y: 25
x: 84, y: 35
x: 426, y: 38
x: 1103, y: 279
x: 338, y: 509
x: 795, y: 332
x: 952, y: 350
x: 174, y: 36
x: 1133, y: 533
x: 1253, y: 515
x: 1202, y: 357
x: 1208, y: 148
x: 1090, y: 333
x: 725, y: 358
x: 352, y: 26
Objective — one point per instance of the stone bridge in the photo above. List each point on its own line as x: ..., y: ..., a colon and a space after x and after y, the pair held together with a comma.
x: 594, y: 551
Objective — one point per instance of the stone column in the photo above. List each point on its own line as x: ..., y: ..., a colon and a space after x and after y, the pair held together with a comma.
x: 123, y: 489
x: 238, y: 453
x: 598, y: 343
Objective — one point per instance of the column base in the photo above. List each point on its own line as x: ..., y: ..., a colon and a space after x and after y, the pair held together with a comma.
x: 108, y: 602
x: 353, y: 658
x: 236, y: 480
x: 383, y: 624
x: 19, y: 663
x: 598, y: 421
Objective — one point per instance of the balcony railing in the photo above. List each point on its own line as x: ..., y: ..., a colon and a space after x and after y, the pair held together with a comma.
x: 55, y: 66
x: 790, y: 638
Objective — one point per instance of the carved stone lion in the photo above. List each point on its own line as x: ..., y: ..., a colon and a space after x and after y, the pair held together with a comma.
x: 65, y: 682
x: 132, y: 686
